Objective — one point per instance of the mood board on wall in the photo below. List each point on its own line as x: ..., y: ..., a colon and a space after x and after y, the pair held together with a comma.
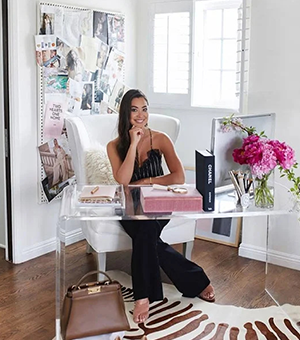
x: 80, y: 56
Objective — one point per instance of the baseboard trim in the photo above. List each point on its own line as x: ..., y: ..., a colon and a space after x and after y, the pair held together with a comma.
x: 252, y: 252
x: 48, y: 246
x: 275, y: 257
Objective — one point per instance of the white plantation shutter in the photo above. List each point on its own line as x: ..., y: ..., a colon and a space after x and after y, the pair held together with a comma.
x: 191, y: 62
x: 215, y: 45
x: 171, y: 53
x: 243, y: 50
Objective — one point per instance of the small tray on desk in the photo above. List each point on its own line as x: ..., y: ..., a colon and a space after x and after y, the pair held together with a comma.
x: 105, y: 196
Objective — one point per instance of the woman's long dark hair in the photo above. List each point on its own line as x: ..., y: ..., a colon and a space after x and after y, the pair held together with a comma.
x: 124, y: 121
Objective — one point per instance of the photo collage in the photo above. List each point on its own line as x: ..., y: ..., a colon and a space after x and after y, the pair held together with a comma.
x: 81, y: 56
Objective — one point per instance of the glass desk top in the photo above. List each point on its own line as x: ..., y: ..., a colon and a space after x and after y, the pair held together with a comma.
x: 130, y: 207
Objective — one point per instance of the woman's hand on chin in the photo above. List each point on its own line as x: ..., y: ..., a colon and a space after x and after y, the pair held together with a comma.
x: 135, y: 134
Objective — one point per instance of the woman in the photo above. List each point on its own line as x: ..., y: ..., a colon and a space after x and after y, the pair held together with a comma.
x: 46, y: 27
x: 74, y: 65
x: 87, y: 97
x: 135, y: 156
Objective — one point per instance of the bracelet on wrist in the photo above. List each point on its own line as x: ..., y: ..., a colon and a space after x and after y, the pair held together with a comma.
x: 150, y: 180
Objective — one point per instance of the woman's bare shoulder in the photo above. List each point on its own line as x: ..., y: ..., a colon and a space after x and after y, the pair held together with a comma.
x: 160, y: 140
x: 112, y: 144
x: 158, y: 134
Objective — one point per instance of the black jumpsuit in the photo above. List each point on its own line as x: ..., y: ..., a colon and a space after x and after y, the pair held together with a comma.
x: 149, y: 252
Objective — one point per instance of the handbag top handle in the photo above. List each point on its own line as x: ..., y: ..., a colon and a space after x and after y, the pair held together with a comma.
x: 91, y: 273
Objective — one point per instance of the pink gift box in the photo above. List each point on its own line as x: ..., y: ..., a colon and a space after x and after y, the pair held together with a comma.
x: 154, y: 200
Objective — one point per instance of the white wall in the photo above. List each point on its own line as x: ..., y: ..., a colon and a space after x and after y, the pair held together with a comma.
x: 2, y: 165
x: 34, y: 225
x: 275, y: 87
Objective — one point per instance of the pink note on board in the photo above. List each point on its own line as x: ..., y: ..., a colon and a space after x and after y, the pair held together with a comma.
x: 54, y: 119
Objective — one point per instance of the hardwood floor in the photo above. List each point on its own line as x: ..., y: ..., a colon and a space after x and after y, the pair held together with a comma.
x: 27, y: 300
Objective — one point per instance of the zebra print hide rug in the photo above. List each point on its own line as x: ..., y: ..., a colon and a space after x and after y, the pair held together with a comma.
x: 179, y: 318
x: 182, y: 318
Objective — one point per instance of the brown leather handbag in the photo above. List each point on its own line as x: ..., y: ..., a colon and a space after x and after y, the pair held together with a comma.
x: 93, y: 309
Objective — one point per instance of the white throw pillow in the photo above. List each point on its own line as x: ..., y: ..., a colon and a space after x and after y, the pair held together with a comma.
x: 97, y: 166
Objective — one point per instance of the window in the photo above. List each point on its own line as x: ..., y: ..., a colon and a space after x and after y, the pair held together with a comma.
x: 215, y: 58
x: 171, y: 53
x: 197, y: 54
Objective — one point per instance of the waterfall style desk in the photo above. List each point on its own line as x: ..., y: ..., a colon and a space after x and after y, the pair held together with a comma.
x: 72, y: 215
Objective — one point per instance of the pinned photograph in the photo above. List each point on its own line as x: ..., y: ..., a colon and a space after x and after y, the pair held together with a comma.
x: 50, y: 59
x: 98, y: 94
x: 96, y: 109
x: 100, y: 28
x: 107, y: 82
x: 87, y: 98
x: 39, y: 58
x: 45, y: 47
x: 51, y: 20
x: 62, y: 49
x: 47, y: 23
x: 116, y: 32
x: 74, y: 95
x: 115, y: 64
x: 115, y: 99
x: 102, y: 55
x: 75, y: 65
x: 55, y: 82
x: 56, y: 160
x: 112, y: 72
x: 51, y: 193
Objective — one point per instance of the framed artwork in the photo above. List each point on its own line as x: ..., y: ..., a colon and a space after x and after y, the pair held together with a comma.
x: 220, y: 230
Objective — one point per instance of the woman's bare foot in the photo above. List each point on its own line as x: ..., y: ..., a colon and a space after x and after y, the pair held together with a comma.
x: 208, y: 294
x: 141, y: 310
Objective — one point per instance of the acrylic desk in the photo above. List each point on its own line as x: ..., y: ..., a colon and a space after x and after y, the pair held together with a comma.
x: 71, y: 213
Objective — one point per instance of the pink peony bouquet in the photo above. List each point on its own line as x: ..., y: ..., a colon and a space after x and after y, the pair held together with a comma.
x: 263, y: 155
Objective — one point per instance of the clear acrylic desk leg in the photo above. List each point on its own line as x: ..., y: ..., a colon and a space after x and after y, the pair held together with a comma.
x: 283, y: 263
x: 60, y: 271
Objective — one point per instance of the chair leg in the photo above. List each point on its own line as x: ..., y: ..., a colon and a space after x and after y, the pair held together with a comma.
x: 89, y: 249
x: 187, y: 249
x: 101, y: 265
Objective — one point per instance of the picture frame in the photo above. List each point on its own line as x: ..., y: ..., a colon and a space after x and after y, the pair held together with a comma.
x: 225, y: 231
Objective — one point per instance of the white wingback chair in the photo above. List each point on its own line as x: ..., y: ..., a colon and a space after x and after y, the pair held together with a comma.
x: 109, y: 236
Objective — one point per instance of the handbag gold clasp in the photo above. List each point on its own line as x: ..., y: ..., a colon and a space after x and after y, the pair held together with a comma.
x: 93, y: 290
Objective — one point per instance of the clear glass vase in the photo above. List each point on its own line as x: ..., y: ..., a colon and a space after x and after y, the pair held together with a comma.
x: 263, y: 193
